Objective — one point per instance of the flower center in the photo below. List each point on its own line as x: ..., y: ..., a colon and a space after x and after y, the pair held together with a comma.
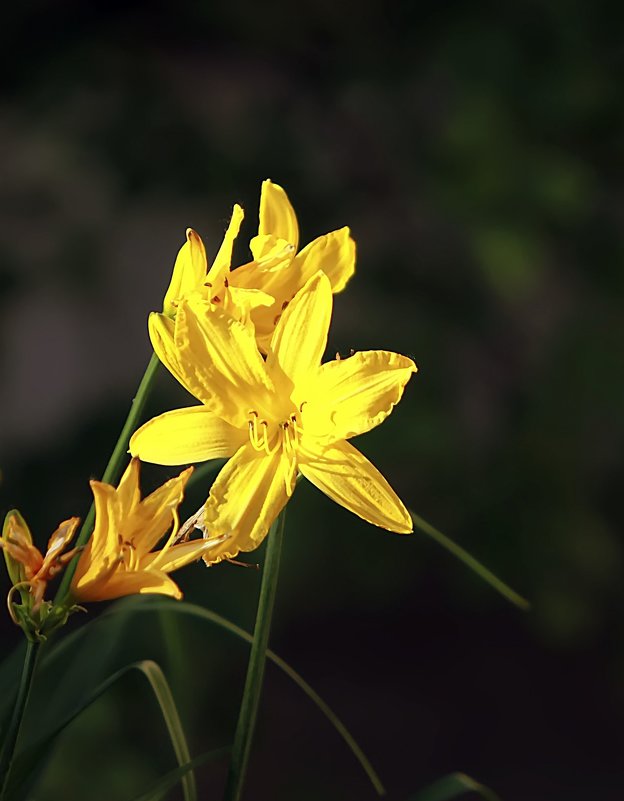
x: 127, y: 553
x: 270, y: 437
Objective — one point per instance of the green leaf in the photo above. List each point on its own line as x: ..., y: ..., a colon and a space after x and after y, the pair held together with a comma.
x: 170, y: 779
x: 26, y: 762
x: 199, y: 612
x: 453, y: 786
x: 469, y: 560
x: 142, y: 604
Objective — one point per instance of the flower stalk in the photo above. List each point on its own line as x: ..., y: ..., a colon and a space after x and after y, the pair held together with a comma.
x: 15, y: 724
x: 255, y: 669
x: 114, y: 466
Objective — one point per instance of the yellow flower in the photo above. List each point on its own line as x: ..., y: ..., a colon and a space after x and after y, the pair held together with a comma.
x: 191, y: 275
x: 118, y: 559
x: 278, y: 270
x: 29, y: 570
x: 276, y: 418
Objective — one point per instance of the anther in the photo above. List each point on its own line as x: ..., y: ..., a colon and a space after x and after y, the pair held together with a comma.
x: 276, y: 319
x: 226, y: 283
x: 216, y: 299
x: 284, y: 304
x: 208, y: 283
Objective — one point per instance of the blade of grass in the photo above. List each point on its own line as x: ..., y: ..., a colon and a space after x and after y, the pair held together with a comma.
x: 250, y: 702
x: 170, y: 779
x: 25, y: 762
x: 460, y: 553
x: 453, y: 786
x: 208, y: 615
x: 144, y: 604
x: 11, y: 735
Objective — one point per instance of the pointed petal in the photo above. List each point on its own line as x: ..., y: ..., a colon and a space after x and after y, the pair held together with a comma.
x: 246, y: 497
x: 102, y: 549
x: 182, y: 436
x: 179, y: 555
x: 128, y: 492
x: 223, y: 259
x: 277, y: 216
x: 350, y: 396
x: 333, y: 254
x: 157, y: 514
x: 300, y: 336
x: 225, y: 362
x: 188, y: 271
x: 347, y: 477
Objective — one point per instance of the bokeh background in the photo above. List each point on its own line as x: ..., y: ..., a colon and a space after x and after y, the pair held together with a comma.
x: 475, y: 150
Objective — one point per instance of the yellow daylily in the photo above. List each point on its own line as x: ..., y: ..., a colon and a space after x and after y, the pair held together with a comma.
x: 279, y: 270
x: 276, y: 418
x: 191, y: 275
x: 29, y: 569
x: 118, y: 559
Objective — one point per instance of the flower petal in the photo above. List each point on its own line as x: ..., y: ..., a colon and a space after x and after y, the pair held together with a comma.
x: 128, y: 492
x: 182, y: 436
x: 223, y: 259
x: 222, y: 355
x: 277, y: 216
x: 246, y: 497
x: 188, y: 271
x: 333, y: 253
x: 347, y: 477
x: 128, y: 583
x: 179, y: 555
x: 161, y: 331
x: 300, y: 336
x: 350, y: 396
x: 102, y: 549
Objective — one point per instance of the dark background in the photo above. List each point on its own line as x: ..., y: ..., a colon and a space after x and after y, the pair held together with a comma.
x: 475, y: 150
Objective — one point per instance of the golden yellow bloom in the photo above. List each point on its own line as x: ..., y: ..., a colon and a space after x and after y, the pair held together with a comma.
x: 279, y: 270
x: 192, y: 277
x: 118, y: 559
x: 276, y: 418
x: 29, y: 570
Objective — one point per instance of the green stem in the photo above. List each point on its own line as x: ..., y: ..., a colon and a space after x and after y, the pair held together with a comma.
x: 255, y: 669
x: 114, y: 466
x: 15, y: 724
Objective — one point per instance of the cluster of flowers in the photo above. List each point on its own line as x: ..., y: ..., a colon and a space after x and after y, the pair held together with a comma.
x: 247, y: 343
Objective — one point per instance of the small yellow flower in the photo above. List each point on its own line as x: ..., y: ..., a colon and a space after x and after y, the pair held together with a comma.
x: 276, y: 418
x: 118, y: 559
x: 279, y: 270
x: 29, y: 570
